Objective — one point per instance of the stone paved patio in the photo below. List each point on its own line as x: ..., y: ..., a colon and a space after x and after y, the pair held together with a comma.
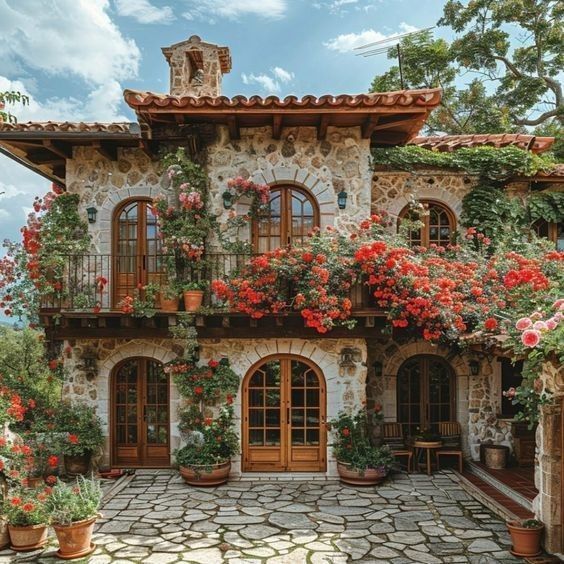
x: 157, y: 519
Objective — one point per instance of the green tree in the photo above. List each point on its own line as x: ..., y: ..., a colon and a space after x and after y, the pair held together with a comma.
x: 519, y: 44
x: 429, y: 63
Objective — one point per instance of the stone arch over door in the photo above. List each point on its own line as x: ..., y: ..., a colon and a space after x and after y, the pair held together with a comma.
x: 322, y: 191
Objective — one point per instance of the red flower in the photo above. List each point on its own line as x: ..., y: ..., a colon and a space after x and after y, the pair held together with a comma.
x: 28, y: 507
x: 229, y: 399
x: 51, y: 480
x: 53, y: 364
x: 73, y: 439
x: 53, y: 461
x: 346, y: 432
x: 16, y: 501
x: 213, y: 363
x: 198, y: 390
x: 490, y: 324
x: 208, y: 421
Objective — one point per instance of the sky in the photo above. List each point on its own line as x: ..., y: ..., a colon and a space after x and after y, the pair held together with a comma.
x: 75, y: 57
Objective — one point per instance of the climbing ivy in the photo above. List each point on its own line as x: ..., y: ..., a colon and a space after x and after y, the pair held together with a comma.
x: 486, y: 162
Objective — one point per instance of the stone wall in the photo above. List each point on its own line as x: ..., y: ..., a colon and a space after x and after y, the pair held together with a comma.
x: 345, y: 389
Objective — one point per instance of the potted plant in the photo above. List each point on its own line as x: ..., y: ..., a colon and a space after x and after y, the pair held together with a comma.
x: 525, y: 537
x: 205, y: 460
x: 193, y: 295
x: 359, y: 461
x: 27, y: 519
x: 169, y: 297
x: 81, y: 435
x: 73, y: 509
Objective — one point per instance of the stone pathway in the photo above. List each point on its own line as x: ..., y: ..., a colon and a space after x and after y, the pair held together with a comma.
x: 157, y: 519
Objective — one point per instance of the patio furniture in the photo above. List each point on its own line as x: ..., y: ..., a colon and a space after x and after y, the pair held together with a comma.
x: 452, y: 442
x: 426, y: 447
x: 393, y: 437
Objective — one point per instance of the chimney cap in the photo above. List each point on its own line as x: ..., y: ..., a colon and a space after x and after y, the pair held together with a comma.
x: 195, y: 42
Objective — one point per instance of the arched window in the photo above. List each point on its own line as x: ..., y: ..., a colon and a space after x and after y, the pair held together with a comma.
x: 137, y: 254
x: 292, y: 214
x: 553, y: 231
x: 439, y: 224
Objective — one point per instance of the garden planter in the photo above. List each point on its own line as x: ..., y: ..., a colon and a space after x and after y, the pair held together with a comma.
x: 525, y: 540
x: 495, y: 456
x: 193, y: 300
x: 198, y: 476
x: 169, y: 304
x: 79, y: 464
x: 369, y: 477
x: 4, y: 534
x: 75, y: 540
x: 28, y: 538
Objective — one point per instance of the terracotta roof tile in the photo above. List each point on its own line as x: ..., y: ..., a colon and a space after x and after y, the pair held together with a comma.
x: 447, y: 143
x: 70, y: 127
x: 404, y: 98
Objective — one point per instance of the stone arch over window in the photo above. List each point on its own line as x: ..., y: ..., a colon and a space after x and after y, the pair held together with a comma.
x: 439, y: 224
x: 320, y: 190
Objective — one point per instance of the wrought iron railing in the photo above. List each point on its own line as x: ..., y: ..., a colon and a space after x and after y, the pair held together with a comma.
x: 99, y: 282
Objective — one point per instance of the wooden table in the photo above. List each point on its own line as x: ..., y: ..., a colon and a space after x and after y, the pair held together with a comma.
x: 429, y: 447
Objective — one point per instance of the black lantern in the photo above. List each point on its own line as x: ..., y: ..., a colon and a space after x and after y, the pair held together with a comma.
x: 228, y: 199
x: 378, y: 368
x: 196, y: 354
x: 91, y: 213
x: 342, y: 199
x: 474, y: 367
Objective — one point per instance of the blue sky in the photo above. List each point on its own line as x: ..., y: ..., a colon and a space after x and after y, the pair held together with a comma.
x: 75, y: 57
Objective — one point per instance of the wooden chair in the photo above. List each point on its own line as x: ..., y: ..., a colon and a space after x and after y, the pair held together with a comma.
x: 452, y: 442
x: 392, y: 436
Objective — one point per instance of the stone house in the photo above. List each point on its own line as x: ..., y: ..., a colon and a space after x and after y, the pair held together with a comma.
x: 310, y: 151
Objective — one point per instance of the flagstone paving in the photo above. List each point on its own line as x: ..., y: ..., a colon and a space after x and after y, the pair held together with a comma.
x: 157, y: 519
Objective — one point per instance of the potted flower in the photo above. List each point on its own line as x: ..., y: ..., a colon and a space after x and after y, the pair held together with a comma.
x: 81, y: 435
x: 169, y: 297
x: 359, y: 461
x: 73, y: 509
x: 27, y: 519
x: 525, y: 537
x: 193, y: 295
x: 205, y: 460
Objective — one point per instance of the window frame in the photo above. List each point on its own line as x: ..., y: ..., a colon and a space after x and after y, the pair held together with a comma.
x: 425, y: 230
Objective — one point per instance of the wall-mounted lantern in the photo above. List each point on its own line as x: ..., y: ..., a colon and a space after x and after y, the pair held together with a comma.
x: 228, y: 198
x: 196, y: 354
x: 474, y: 366
x: 378, y: 368
x: 342, y: 199
x: 349, y: 357
x: 91, y: 213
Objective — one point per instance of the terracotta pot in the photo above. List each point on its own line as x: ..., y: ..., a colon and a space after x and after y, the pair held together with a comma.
x: 75, y: 540
x: 369, y: 477
x: 27, y: 538
x: 526, y: 540
x: 193, y: 299
x: 79, y: 464
x: 169, y: 304
x: 495, y: 456
x: 4, y: 534
x: 198, y: 476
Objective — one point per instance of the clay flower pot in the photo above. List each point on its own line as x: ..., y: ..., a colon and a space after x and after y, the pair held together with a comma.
x: 169, y: 304
x: 526, y: 540
x: 368, y: 477
x: 75, y: 540
x: 198, y: 475
x: 28, y: 538
x: 193, y: 299
x: 78, y: 464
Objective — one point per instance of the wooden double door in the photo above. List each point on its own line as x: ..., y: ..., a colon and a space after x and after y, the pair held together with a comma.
x: 140, y: 419
x: 284, y: 410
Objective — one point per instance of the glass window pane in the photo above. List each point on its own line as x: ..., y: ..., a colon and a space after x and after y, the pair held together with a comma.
x: 298, y: 437
x: 273, y: 437
x: 312, y: 417
x: 312, y: 437
x: 256, y: 417
x: 273, y: 398
x: 256, y: 397
x: 257, y: 380
x: 273, y: 418
x: 298, y: 417
x: 255, y: 437
x: 297, y: 398
x: 312, y: 398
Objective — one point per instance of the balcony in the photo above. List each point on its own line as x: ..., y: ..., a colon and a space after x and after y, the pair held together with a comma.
x: 93, y: 286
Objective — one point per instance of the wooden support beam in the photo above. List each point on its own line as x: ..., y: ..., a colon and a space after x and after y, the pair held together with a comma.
x: 106, y: 150
x: 276, y: 126
x: 369, y: 321
x: 179, y: 118
x: 150, y: 148
x: 392, y: 124
x: 233, y: 126
x: 101, y: 322
x: 59, y: 148
x: 368, y: 126
x: 322, y: 129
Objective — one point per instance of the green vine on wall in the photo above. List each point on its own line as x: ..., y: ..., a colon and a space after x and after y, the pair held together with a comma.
x: 486, y: 162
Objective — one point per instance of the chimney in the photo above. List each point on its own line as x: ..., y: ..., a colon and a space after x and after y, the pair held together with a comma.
x: 196, y: 67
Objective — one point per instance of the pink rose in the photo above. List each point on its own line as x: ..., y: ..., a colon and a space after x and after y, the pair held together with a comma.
x: 523, y: 323
x: 559, y: 304
x: 530, y: 338
x: 540, y: 326
x: 510, y: 394
x: 551, y: 324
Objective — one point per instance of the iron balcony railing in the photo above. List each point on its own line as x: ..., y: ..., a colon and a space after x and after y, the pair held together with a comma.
x: 98, y: 283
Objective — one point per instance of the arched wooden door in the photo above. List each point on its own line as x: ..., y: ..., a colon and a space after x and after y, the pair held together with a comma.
x: 292, y: 214
x: 425, y: 394
x: 137, y: 255
x: 284, y: 409
x: 140, y: 416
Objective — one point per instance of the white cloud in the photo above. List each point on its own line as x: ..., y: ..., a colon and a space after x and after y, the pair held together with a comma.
x: 210, y: 10
x: 270, y: 83
x: 144, y: 12
x: 348, y: 41
x: 65, y: 37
